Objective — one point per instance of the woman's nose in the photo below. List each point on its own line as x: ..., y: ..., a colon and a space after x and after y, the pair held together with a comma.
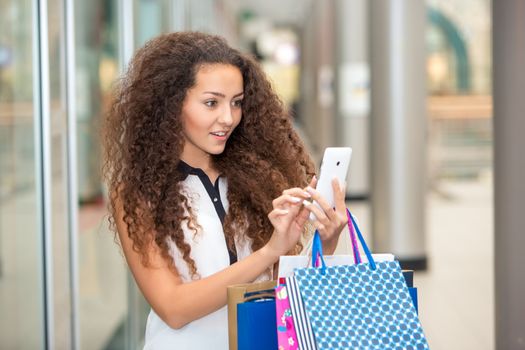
x: 226, y: 116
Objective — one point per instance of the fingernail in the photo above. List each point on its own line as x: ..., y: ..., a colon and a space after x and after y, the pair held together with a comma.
x: 295, y: 199
x: 307, y: 194
x: 309, y: 189
x: 306, y: 203
x: 314, y: 178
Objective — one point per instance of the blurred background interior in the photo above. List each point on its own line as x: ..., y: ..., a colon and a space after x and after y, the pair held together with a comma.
x: 408, y: 87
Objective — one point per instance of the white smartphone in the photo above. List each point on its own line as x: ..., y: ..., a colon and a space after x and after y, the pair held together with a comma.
x: 336, y: 161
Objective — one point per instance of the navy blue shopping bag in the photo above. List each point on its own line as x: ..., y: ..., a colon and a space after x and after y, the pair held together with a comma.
x: 256, y: 324
x: 409, y: 279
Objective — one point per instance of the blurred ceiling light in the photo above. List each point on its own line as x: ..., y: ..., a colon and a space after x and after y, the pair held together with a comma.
x: 437, y: 67
x: 286, y: 53
x: 269, y: 42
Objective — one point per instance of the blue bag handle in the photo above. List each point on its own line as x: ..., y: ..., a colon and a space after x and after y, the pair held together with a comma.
x: 317, y: 252
x: 317, y: 248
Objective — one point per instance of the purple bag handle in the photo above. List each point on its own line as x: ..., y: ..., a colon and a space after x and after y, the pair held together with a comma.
x: 353, y: 238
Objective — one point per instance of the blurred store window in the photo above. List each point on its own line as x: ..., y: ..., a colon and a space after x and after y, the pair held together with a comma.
x: 20, y: 244
x: 459, y: 87
x: 460, y: 200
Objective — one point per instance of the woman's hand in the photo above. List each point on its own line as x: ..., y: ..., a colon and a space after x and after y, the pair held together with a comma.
x: 329, y: 221
x: 288, y: 218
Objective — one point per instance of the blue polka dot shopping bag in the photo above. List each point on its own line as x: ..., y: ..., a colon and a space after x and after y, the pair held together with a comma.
x: 363, y: 306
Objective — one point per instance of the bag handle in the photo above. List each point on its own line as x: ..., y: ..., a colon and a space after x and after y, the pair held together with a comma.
x: 259, y: 294
x: 353, y: 239
x: 363, y: 243
x: 317, y: 247
x: 317, y: 252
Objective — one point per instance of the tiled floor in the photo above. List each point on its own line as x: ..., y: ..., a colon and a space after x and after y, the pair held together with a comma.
x: 456, y: 294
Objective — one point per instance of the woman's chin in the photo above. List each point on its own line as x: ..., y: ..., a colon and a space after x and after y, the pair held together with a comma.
x: 216, y: 150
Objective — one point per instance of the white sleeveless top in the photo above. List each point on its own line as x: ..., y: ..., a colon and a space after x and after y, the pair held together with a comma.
x: 210, y: 253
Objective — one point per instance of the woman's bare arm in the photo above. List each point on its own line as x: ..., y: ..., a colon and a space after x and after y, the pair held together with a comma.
x: 177, y: 302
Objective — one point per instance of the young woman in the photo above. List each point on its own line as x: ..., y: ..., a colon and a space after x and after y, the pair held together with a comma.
x: 209, y: 183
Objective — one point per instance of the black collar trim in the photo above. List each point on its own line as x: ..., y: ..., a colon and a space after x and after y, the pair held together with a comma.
x: 213, y: 192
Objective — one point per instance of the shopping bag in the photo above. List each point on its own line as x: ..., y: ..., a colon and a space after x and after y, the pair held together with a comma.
x: 256, y: 324
x: 287, y: 264
x: 240, y: 293
x: 413, y: 295
x: 286, y: 334
x: 362, y: 306
x: 302, y: 324
x: 409, y: 280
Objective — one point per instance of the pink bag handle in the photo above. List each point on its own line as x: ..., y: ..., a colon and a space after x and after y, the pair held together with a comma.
x: 353, y: 238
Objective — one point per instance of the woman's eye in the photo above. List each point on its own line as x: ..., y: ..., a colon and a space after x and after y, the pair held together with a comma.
x: 237, y: 103
x: 211, y: 103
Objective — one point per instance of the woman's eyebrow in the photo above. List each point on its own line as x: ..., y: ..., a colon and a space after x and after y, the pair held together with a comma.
x: 221, y: 94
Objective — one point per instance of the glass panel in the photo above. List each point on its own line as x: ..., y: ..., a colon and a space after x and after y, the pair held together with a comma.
x: 21, y: 278
x: 61, y: 307
x: 102, y: 271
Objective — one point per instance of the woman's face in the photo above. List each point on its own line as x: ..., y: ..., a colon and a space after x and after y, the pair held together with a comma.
x: 210, y: 112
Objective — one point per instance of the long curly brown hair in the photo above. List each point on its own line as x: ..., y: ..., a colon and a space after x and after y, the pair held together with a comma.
x: 143, y: 140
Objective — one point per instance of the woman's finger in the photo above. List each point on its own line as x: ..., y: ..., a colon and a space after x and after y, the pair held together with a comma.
x: 327, y: 208
x: 302, y: 216
x: 313, y: 182
x: 287, y: 200
x: 279, y: 212
x: 339, y: 196
x: 297, y: 192
x: 320, y: 215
